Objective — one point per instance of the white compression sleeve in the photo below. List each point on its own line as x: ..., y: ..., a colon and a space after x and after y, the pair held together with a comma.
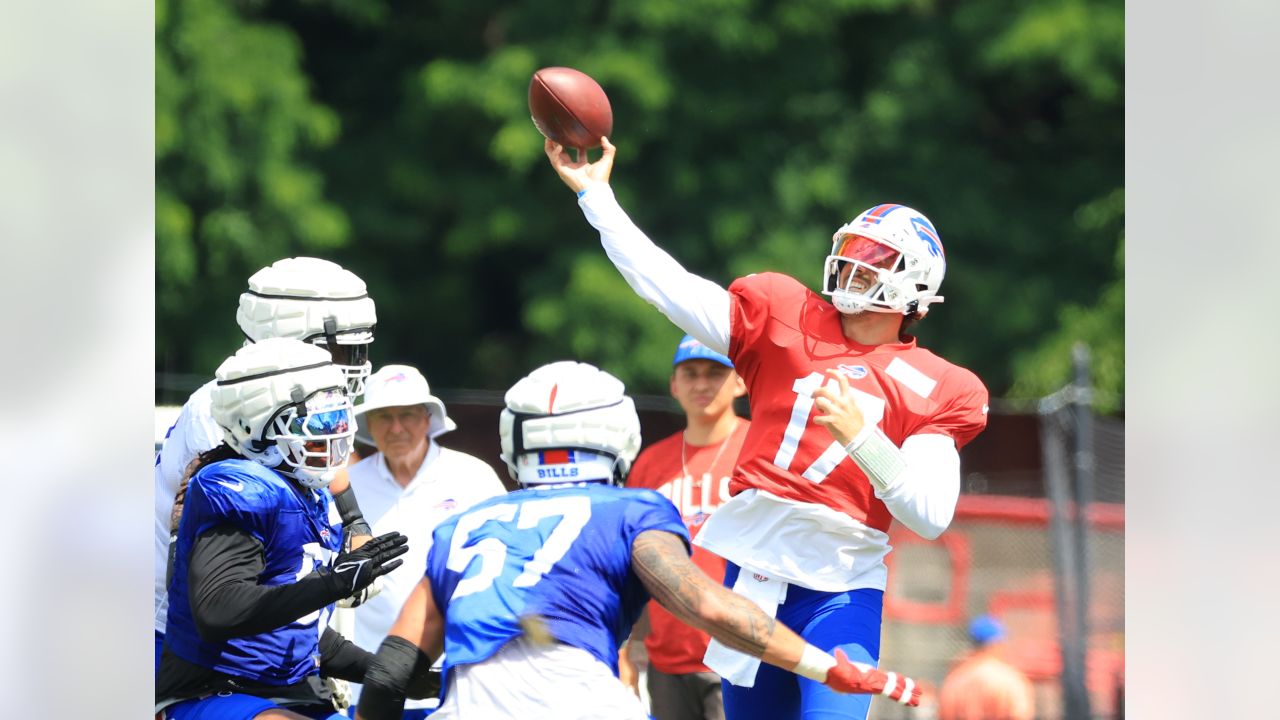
x: 919, y: 483
x: 695, y: 304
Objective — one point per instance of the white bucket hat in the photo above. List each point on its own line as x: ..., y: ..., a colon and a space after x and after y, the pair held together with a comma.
x: 399, y: 385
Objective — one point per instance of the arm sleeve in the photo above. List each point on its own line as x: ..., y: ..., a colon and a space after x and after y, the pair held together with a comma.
x: 341, y: 658
x: 226, y: 599
x: 696, y: 305
x: 398, y: 670
x: 919, y: 482
x: 349, y: 510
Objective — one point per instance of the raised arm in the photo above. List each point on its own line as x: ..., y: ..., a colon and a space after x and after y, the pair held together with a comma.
x: 696, y: 305
x: 662, y: 563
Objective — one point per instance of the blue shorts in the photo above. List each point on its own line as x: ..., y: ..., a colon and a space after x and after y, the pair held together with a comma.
x: 848, y: 620
x: 235, y: 706
x: 159, y: 648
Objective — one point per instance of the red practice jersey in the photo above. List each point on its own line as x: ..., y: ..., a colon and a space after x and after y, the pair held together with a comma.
x: 783, y: 337
x: 675, y: 648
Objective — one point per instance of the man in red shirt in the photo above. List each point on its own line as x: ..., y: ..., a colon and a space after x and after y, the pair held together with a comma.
x: 984, y: 686
x: 854, y: 426
x: 692, y: 468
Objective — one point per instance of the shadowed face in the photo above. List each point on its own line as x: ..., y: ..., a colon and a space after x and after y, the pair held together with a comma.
x: 705, y: 388
x: 399, y: 432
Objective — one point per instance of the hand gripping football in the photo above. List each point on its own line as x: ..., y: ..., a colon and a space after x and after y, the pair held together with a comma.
x: 569, y: 107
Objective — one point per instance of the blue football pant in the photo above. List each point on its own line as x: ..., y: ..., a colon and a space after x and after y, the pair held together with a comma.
x: 848, y: 620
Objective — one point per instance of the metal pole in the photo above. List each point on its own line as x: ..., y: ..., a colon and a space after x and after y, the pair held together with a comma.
x: 1082, y: 411
x: 1057, y: 489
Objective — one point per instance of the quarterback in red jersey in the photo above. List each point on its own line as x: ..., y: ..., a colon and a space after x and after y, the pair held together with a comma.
x: 854, y: 426
x: 692, y: 468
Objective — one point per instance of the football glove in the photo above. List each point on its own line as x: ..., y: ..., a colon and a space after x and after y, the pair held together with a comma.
x: 362, y: 596
x: 854, y: 677
x: 356, y: 570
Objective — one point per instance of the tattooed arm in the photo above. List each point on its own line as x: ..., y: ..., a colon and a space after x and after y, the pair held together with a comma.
x: 661, y: 562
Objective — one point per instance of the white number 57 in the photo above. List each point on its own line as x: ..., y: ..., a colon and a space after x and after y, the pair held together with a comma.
x: 574, y: 512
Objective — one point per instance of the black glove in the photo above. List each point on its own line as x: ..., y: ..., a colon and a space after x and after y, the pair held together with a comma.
x: 353, y: 571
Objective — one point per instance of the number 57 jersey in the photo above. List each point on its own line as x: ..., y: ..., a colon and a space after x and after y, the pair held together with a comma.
x: 558, y: 557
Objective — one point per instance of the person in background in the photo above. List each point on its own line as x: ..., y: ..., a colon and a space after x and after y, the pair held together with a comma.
x: 984, y: 686
x: 692, y: 469
x: 410, y: 485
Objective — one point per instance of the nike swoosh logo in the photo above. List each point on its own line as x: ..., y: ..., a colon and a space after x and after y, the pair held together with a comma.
x: 237, y: 485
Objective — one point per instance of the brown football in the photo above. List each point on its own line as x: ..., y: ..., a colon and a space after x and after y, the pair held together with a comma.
x: 569, y: 107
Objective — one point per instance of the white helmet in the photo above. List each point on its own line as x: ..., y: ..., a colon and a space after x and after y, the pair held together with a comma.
x: 888, y: 259
x: 569, y: 422
x: 315, y: 301
x: 282, y: 402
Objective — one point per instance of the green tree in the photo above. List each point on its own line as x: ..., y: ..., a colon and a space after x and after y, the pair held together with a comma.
x: 1100, y: 326
x: 234, y: 119
x: 748, y: 131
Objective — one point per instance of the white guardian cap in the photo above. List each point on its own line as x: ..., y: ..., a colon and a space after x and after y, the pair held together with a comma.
x: 315, y: 301
x: 569, y: 422
x: 283, y: 403
x: 888, y: 259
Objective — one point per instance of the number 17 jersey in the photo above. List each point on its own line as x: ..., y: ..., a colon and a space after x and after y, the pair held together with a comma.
x: 801, y: 509
x: 557, y: 557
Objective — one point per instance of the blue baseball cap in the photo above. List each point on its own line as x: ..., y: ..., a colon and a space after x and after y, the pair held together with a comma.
x: 690, y: 349
x: 985, y: 629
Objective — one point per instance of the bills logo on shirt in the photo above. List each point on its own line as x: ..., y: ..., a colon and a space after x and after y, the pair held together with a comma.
x: 324, y: 533
x: 853, y: 372
x: 448, y: 504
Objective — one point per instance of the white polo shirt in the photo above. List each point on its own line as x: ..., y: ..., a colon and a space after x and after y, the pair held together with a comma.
x: 447, y: 483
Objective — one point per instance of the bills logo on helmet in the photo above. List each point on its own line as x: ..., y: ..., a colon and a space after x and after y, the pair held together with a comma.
x: 877, y: 213
x: 928, y: 235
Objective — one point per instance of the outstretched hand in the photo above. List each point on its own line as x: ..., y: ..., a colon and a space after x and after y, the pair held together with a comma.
x: 579, y: 173
x: 354, y: 571
x: 839, y: 412
x: 854, y: 677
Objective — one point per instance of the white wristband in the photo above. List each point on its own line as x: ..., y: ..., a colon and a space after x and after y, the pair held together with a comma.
x: 879, y: 458
x: 814, y: 664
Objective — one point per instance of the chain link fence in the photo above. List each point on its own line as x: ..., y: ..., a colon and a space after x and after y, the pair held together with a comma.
x: 1053, y: 576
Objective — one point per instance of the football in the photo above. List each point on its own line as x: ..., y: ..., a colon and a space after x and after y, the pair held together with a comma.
x: 569, y: 107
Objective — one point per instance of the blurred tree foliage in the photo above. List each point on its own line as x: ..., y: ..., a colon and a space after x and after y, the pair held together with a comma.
x: 748, y: 130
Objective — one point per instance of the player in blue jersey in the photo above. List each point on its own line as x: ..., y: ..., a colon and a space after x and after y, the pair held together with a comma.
x: 257, y: 562
x: 305, y: 298
x: 530, y: 594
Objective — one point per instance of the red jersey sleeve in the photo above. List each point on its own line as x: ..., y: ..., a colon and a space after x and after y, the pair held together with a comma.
x: 964, y: 414
x: 748, y: 311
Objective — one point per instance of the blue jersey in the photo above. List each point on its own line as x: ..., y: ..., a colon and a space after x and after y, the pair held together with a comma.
x: 298, y: 529
x: 562, y: 555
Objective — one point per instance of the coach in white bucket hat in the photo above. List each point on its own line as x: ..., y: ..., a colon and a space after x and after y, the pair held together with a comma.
x: 400, y: 386
x: 411, y: 485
